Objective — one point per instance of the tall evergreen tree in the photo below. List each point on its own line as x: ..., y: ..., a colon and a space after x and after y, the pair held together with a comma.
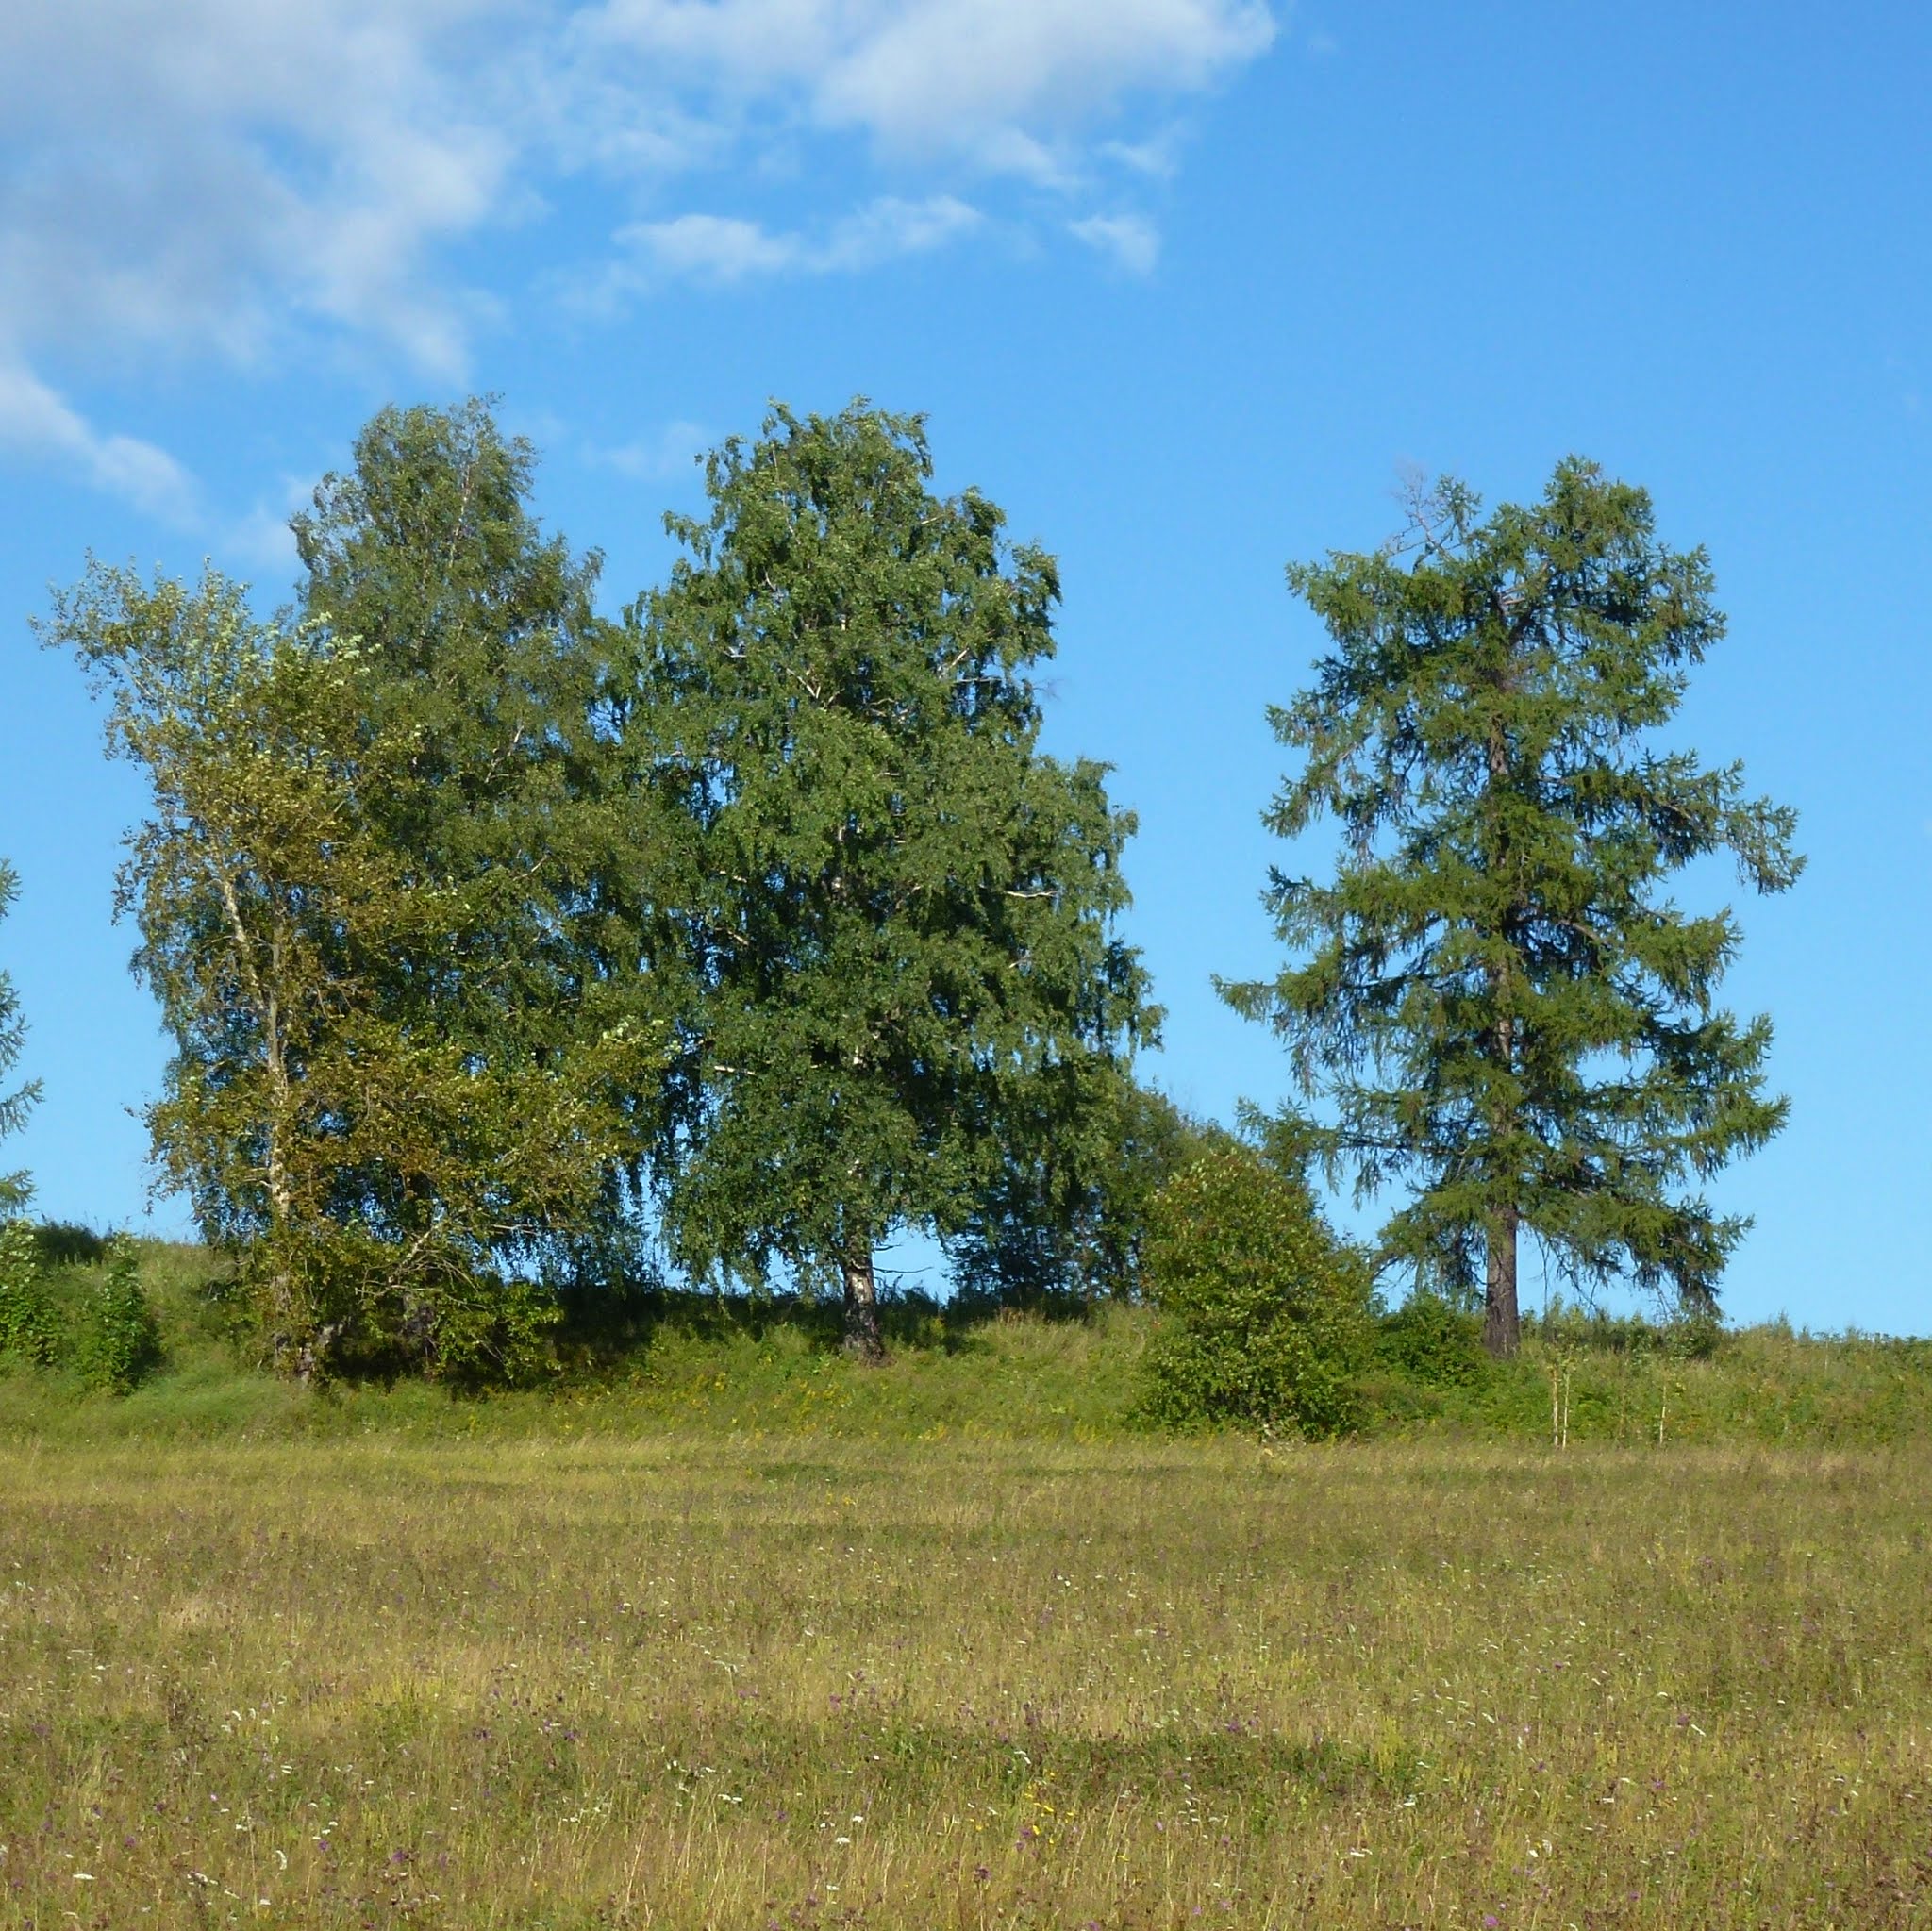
x: 1493, y: 990
x: 892, y: 924
x: 16, y: 1189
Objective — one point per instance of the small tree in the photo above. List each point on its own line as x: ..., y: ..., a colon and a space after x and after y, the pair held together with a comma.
x: 119, y: 1343
x: 16, y: 1189
x: 29, y: 1330
x: 1266, y: 1315
x: 1492, y: 991
x: 1067, y: 1214
x: 888, y: 916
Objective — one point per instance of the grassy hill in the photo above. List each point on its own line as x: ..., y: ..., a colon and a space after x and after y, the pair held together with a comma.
x: 694, y: 1362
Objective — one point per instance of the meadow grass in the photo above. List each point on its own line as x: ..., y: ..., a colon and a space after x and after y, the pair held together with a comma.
x: 693, y: 1678
x: 721, y: 1629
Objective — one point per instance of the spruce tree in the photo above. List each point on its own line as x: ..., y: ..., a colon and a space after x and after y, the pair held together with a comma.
x: 16, y: 1189
x: 1493, y: 991
x: 888, y: 913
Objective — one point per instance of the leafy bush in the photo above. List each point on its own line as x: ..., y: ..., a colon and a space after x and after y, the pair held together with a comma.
x: 1430, y: 1342
x: 1692, y: 1334
x: 1697, y: 1333
x: 120, y: 1340
x: 67, y: 1243
x: 1266, y: 1317
x: 28, y: 1330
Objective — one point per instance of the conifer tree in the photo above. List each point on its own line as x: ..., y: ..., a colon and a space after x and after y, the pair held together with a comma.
x: 16, y: 1189
x: 1493, y: 991
x: 890, y: 914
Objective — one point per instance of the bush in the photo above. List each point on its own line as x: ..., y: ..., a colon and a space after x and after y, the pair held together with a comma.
x: 28, y: 1330
x: 1431, y: 1342
x: 1266, y: 1317
x: 120, y: 1340
x: 67, y: 1243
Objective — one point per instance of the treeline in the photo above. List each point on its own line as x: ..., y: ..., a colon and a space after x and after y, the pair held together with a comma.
x: 506, y: 946
x: 490, y: 929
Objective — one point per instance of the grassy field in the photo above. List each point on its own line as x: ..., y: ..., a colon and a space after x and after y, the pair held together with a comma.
x: 803, y: 1680
x: 721, y: 1629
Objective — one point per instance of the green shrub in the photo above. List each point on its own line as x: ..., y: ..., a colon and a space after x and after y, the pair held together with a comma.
x: 28, y: 1331
x: 1265, y: 1316
x: 1429, y: 1342
x: 120, y: 1340
x: 67, y: 1243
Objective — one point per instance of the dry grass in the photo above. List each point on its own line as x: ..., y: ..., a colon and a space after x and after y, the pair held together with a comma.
x: 704, y: 1681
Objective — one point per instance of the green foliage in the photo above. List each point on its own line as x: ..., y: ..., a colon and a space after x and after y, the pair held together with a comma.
x: 118, y: 1343
x: 391, y: 1085
x: 67, y: 1243
x: 1067, y: 1223
x: 1494, y: 991
x: 1692, y: 1334
x: 29, y: 1330
x: 883, y: 916
x: 16, y: 1189
x: 1266, y: 1316
x: 660, y: 1363
x: 1432, y: 1342
x: 478, y: 649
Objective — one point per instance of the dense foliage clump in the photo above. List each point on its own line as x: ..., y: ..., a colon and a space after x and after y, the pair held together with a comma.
x: 119, y: 1342
x: 1266, y: 1315
x: 109, y: 1333
x: 1432, y: 1342
x: 28, y: 1330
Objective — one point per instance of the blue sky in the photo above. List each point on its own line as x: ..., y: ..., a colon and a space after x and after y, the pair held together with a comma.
x: 1187, y: 285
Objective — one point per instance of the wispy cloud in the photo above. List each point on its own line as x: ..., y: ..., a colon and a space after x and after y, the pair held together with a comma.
x: 259, y: 180
x: 724, y: 249
x: 36, y: 422
x: 1012, y: 84
x: 1131, y: 240
x: 217, y: 172
x: 671, y: 452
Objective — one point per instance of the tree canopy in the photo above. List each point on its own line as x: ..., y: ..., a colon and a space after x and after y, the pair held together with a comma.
x: 1492, y: 991
x: 334, y: 1108
x: 889, y: 914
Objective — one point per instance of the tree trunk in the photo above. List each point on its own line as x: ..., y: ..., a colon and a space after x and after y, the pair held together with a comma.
x: 1501, y: 1324
x: 862, y: 1336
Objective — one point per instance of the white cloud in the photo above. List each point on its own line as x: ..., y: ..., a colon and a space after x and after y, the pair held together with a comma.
x: 672, y: 452
x: 1133, y: 241
x: 712, y: 247
x: 35, y: 421
x: 263, y: 180
x: 196, y: 173
x: 1007, y: 82
x: 724, y: 249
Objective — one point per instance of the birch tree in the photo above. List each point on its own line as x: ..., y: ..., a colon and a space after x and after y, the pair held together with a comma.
x: 890, y: 915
